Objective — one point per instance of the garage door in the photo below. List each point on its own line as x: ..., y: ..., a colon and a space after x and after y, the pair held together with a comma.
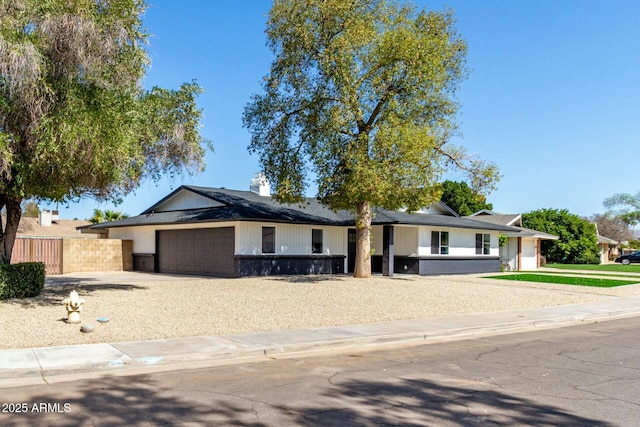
x: 206, y: 251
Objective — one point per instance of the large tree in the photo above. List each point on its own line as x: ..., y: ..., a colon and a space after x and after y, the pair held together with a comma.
x: 577, y: 242
x: 462, y: 199
x: 629, y: 207
x: 361, y: 95
x: 612, y: 226
x: 74, y: 118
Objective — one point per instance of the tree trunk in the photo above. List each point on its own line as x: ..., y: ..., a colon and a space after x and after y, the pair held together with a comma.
x: 8, y: 233
x: 363, y: 240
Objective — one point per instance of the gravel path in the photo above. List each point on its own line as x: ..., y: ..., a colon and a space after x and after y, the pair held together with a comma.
x: 144, y: 306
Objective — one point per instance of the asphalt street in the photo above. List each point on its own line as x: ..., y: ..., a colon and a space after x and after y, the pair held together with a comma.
x: 581, y: 375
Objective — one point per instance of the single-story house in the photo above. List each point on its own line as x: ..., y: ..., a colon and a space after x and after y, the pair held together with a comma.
x: 221, y: 232
x: 522, y: 248
x: 608, y: 248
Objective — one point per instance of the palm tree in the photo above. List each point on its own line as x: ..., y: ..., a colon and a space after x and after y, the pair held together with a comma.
x: 114, y: 215
x: 106, y: 216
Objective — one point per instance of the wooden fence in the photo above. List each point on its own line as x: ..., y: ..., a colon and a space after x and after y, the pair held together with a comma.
x: 46, y: 250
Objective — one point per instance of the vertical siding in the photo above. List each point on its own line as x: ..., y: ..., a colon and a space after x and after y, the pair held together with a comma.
x: 291, y: 239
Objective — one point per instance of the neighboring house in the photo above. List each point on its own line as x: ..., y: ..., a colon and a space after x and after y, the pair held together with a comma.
x: 41, y: 239
x: 608, y: 249
x: 49, y: 225
x: 522, y: 248
x: 220, y: 232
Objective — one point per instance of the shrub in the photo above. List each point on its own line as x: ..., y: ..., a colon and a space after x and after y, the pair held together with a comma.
x: 25, y: 280
x: 577, y: 242
x: 587, y: 259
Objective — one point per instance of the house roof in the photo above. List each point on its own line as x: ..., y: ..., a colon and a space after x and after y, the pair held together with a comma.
x: 512, y: 220
x: 528, y: 232
x: 235, y: 205
x: 497, y: 218
x: 398, y: 217
x: 602, y: 239
x: 30, y: 227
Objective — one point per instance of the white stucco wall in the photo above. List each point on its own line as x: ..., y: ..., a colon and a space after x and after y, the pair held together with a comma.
x: 405, y: 240
x: 416, y: 241
x: 144, y: 238
x: 462, y: 242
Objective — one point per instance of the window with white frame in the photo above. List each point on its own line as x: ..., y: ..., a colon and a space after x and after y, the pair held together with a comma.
x: 483, y: 244
x: 440, y: 242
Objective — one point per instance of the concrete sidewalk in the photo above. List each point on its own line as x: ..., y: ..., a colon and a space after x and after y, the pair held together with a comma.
x: 52, y: 364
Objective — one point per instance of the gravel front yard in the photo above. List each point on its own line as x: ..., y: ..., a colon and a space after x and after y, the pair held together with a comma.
x: 144, y: 306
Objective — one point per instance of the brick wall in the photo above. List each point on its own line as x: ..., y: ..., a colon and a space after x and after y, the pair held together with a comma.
x: 96, y: 255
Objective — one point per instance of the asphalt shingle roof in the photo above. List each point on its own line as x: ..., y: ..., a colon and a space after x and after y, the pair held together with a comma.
x: 517, y: 230
x: 249, y: 206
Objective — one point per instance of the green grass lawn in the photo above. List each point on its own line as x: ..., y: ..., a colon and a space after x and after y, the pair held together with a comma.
x: 612, y: 274
x: 631, y: 268
x: 565, y: 280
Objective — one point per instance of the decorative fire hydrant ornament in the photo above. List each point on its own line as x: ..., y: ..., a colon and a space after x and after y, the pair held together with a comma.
x: 73, y: 305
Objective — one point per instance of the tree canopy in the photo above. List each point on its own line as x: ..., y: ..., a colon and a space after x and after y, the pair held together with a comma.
x: 459, y: 197
x: 74, y: 118
x: 629, y: 207
x: 612, y: 226
x: 577, y: 242
x: 31, y: 209
x: 361, y: 95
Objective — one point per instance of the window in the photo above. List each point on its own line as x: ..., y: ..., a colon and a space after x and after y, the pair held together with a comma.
x: 316, y: 241
x: 440, y: 242
x: 268, y: 240
x: 483, y: 244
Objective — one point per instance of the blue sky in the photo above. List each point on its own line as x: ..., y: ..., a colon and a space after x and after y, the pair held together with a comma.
x: 553, y: 96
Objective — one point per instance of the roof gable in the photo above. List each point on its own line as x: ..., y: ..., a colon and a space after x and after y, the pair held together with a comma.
x: 437, y: 208
x: 184, y: 198
x: 512, y: 220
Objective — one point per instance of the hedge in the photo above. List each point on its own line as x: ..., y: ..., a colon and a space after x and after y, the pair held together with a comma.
x: 24, y: 280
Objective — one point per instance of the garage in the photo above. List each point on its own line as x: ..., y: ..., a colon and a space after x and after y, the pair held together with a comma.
x: 205, y: 251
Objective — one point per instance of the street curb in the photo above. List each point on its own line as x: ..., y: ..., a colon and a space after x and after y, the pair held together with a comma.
x: 51, y: 363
